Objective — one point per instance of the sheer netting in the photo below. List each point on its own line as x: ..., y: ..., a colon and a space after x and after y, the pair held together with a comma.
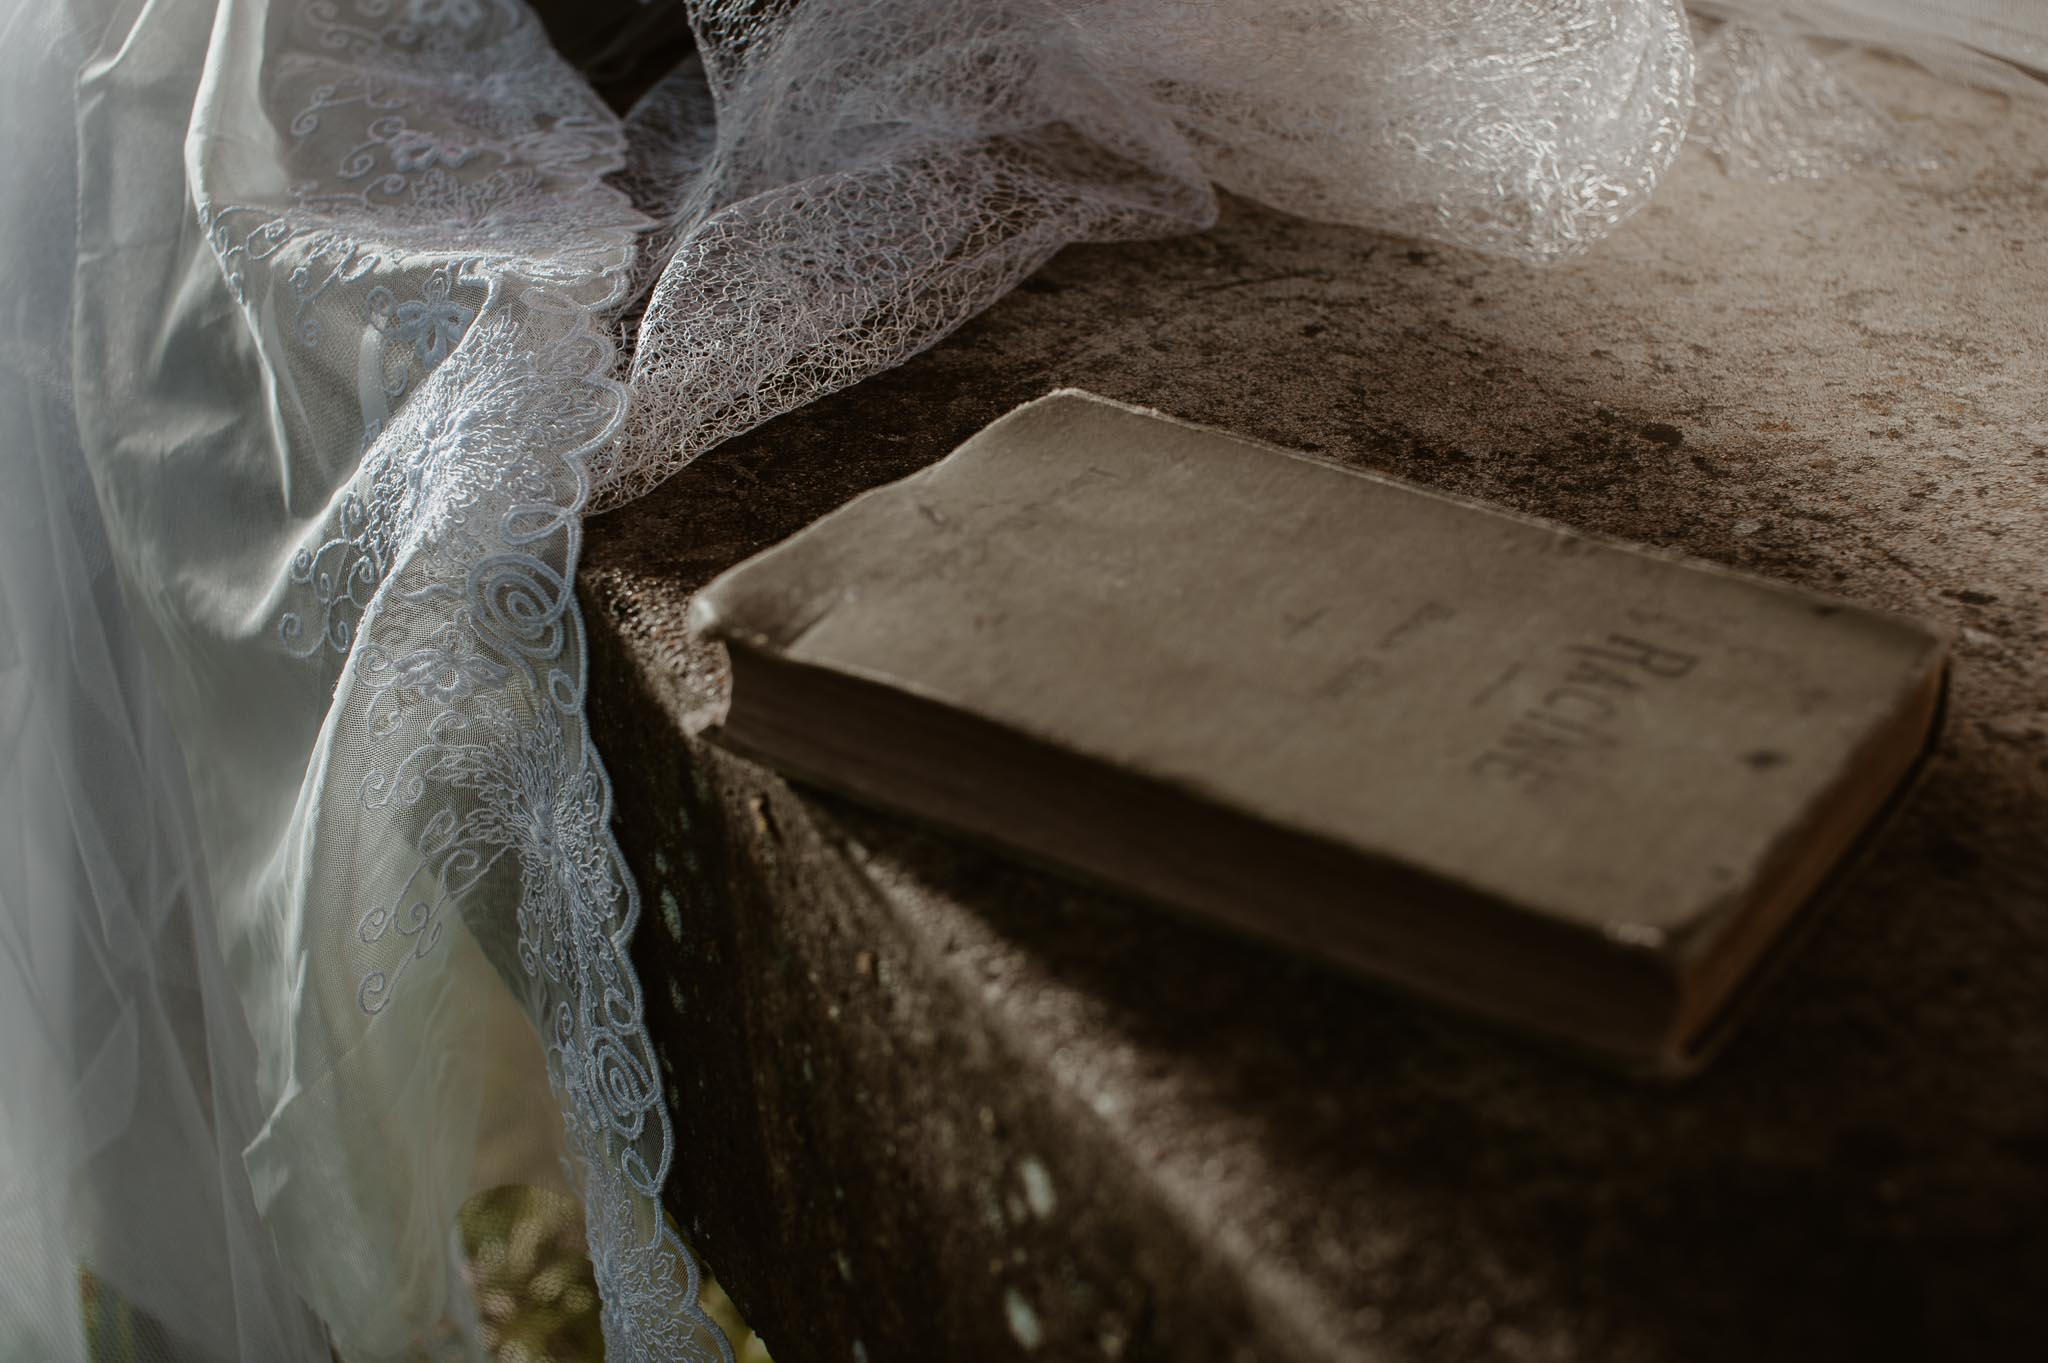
x: 326, y: 322
x: 1772, y: 105
x: 880, y: 171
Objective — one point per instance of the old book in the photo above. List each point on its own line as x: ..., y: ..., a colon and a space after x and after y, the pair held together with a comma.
x: 1575, y: 784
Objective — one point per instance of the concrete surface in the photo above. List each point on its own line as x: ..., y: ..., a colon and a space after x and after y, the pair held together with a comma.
x: 932, y: 1105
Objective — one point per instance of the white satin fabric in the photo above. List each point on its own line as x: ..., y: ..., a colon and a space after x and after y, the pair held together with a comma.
x: 325, y: 323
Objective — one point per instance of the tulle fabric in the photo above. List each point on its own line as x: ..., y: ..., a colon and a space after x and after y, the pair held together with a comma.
x: 127, y: 1073
x: 326, y: 322
x: 880, y: 171
x: 1772, y: 106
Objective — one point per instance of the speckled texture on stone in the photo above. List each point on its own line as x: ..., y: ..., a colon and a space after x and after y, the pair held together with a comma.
x: 932, y: 1105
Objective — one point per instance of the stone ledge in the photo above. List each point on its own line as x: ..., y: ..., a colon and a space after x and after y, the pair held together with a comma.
x: 933, y: 1105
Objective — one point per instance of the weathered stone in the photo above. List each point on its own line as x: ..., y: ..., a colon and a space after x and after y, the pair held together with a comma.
x: 934, y: 1105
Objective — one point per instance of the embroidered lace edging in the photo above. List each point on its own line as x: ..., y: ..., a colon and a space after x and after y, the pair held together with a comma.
x: 453, y: 214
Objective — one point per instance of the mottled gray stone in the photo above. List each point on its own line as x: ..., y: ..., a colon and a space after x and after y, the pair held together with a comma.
x: 933, y: 1105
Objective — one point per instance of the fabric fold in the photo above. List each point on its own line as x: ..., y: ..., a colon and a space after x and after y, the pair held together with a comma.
x: 327, y: 323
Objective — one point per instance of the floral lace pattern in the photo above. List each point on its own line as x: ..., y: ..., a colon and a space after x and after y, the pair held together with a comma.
x: 437, y: 264
x: 885, y: 169
x: 473, y: 236
x: 345, y: 436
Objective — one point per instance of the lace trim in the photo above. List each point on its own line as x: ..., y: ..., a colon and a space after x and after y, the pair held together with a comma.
x: 473, y: 235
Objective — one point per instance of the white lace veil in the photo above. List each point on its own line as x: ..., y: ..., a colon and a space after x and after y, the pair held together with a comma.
x: 325, y: 324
